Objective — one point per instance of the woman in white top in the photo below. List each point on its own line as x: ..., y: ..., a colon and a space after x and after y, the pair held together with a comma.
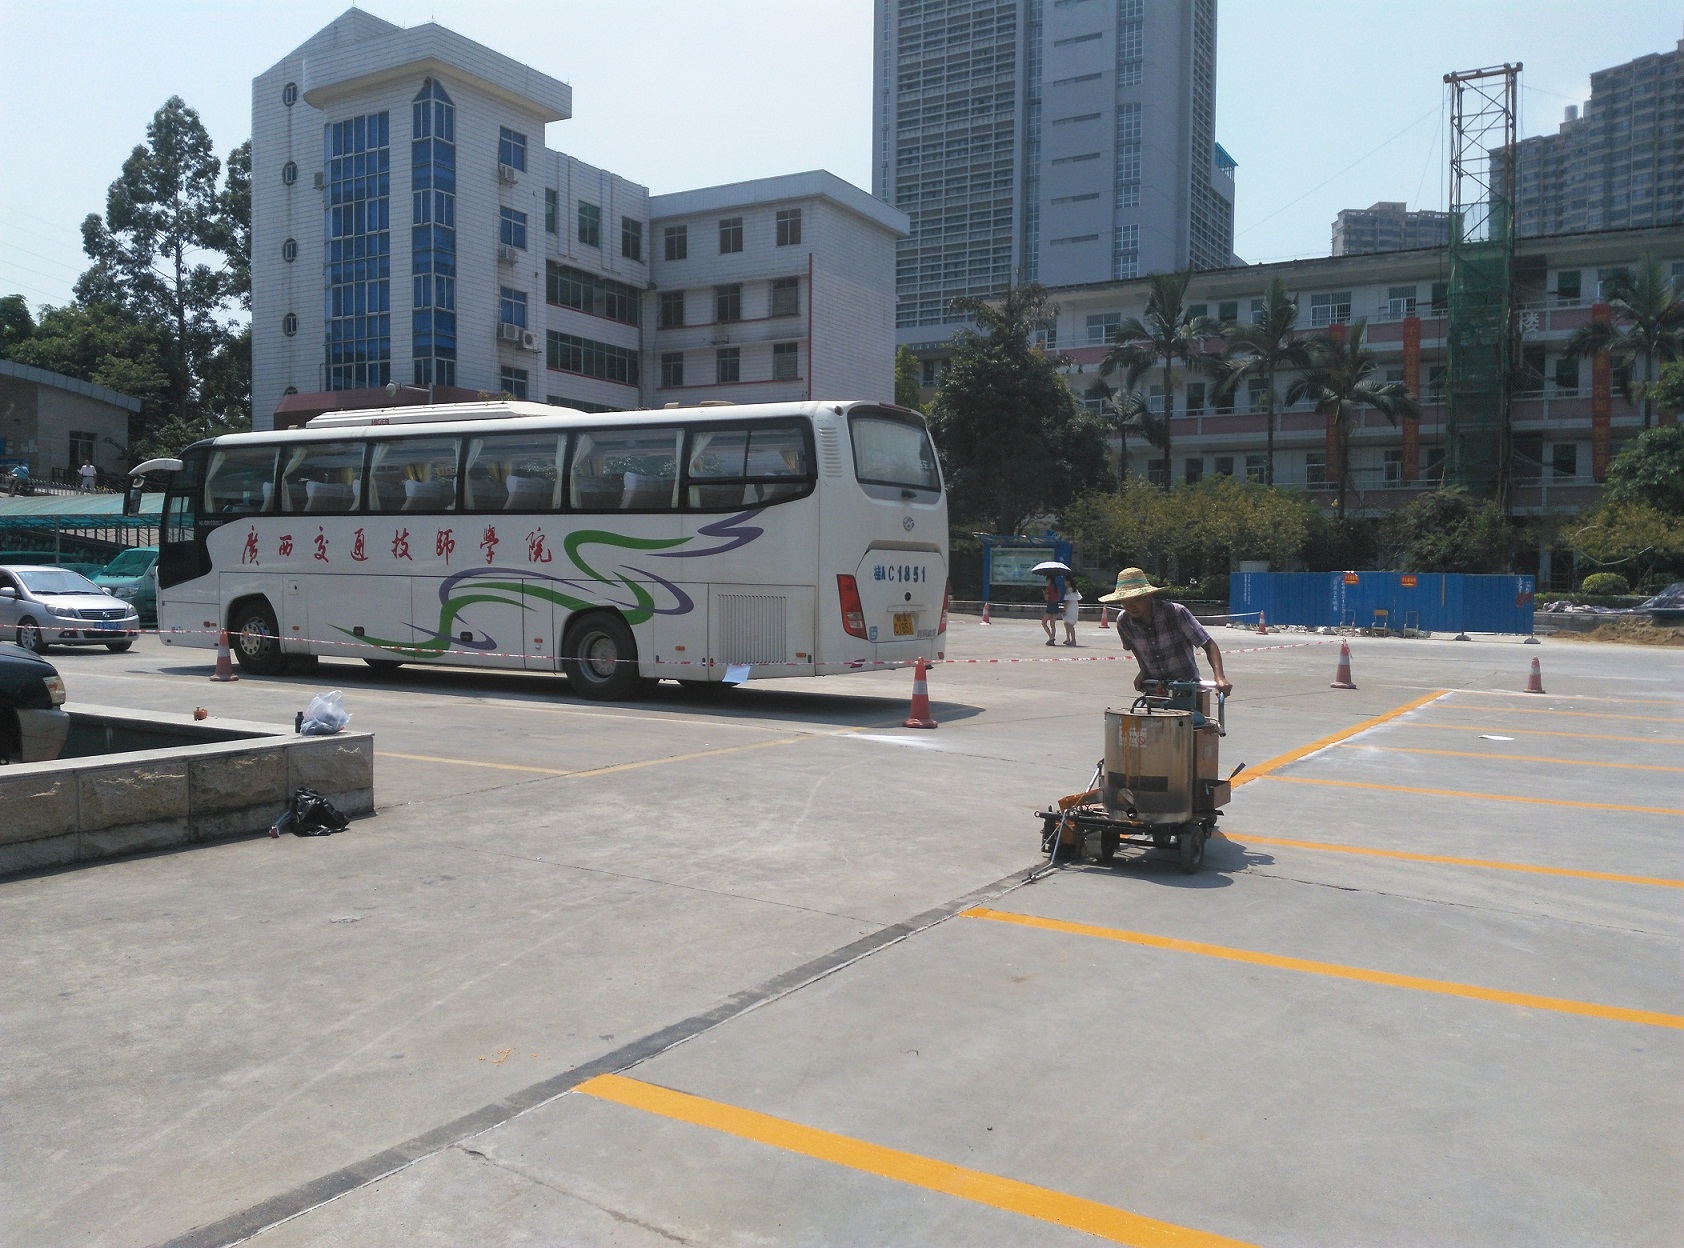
x: 1072, y: 605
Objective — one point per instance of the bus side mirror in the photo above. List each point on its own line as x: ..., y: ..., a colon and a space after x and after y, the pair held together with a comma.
x: 131, y: 496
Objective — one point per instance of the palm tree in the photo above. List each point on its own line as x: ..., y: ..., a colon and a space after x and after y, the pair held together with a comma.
x: 1167, y: 333
x: 1341, y: 380
x: 1262, y: 349
x: 1133, y: 413
x: 1647, y: 325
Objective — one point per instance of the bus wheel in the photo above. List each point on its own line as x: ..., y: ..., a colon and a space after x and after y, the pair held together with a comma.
x: 257, y: 639
x: 384, y: 666
x: 600, y: 658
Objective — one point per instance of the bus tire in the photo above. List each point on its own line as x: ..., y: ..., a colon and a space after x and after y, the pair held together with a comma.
x: 384, y: 666
x: 600, y: 658
x: 256, y: 638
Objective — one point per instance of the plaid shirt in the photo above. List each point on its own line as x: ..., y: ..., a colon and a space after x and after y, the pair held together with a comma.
x: 1167, y: 645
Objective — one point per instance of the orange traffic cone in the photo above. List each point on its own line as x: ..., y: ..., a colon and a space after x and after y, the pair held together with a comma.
x: 985, y: 618
x: 1342, y: 677
x: 1105, y: 617
x: 224, y: 660
x: 1535, y: 682
x: 919, y: 716
x: 1263, y: 623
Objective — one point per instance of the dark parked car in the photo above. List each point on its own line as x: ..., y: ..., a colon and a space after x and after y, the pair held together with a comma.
x: 32, y: 727
x: 41, y: 607
x: 1667, y: 607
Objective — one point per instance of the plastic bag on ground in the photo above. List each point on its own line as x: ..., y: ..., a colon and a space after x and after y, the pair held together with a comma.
x: 325, y: 715
x: 313, y: 815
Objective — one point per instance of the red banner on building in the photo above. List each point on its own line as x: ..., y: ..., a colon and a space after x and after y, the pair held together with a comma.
x: 1601, y: 404
x: 1412, y: 379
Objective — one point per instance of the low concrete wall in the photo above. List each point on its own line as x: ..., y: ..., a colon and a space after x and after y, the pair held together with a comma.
x: 100, y: 806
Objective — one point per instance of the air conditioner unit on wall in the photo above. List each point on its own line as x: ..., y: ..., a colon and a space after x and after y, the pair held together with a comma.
x: 505, y: 173
x: 507, y: 254
x: 509, y: 333
x: 529, y: 340
x: 320, y: 180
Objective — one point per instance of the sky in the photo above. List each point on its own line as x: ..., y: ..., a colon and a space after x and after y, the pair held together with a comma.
x: 1325, y: 104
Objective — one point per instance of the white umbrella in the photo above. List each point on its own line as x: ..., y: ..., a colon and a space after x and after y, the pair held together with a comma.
x: 1049, y: 565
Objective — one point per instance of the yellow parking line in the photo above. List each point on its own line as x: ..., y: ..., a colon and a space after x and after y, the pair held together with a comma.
x: 1511, y: 758
x: 1560, y: 1005
x: 1550, y: 710
x: 1483, y: 797
x: 1040, y: 1203
x: 1546, y: 732
x: 1292, y: 756
x: 1368, y: 851
x: 469, y: 762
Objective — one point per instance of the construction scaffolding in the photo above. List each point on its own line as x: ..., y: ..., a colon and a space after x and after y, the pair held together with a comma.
x: 1480, y: 335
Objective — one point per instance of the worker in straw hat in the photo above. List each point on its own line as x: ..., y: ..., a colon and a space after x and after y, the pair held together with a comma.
x: 1163, y: 636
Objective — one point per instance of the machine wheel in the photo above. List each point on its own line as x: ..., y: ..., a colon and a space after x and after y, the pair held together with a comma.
x: 30, y: 637
x: 1108, y: 842
x: 1192, y: 848
x: 117, y: 647
x: 600, y: 659
x: 384, y: 666
x: 257, y: 639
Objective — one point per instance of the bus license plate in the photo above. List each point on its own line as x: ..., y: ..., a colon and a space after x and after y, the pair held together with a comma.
x: 905, y: 625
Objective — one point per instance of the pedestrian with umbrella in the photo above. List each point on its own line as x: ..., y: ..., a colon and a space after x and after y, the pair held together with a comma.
x: 1054, y: 572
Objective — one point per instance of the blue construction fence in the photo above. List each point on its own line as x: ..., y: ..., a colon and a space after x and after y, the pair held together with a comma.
x: 1434, y: 601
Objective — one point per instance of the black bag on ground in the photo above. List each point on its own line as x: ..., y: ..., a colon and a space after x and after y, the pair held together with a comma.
x: 314, y: 815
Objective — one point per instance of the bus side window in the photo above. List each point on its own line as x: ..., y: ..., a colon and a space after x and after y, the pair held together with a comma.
x: 515, y: 472
x: 626, y: 470
x: 734, y: 468
x: 323, y: 477
x: 240, y: 481
x: 778, y: 466
x: 716, y: 469
x: 413, y: 474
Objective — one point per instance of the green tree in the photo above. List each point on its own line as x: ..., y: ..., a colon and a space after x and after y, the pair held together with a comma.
x: 1647, y: 327
x: 1668, y: 393
x: 103, y: 344
x: 16, y: 324
x: 1449, y: 530
x: 1630, y: 536
x: 1650, y: 470
x: 1343, y: 377
x: 1262, y: 349
x: 1132, y: 413
x: 1014, y: 441
x: 906, y: 379
x: 1167, y: 333
x: 166, y: 219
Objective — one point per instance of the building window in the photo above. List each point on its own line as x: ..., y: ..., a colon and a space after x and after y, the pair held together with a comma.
x: 1125, y: 252
x: 675, y: 240
x: 289, y: 250
x: 511, y: 228
x: 1400, y: 302
x: 1195, y: 397
x: 1102, y: 329
x: 1126, y: 170
x: 511, y: 148
x: 1441, y: 297
x: 1045, y: 337
x: 1567, y: 286
x: 1436, y: 374
x: 785, y: 357
x: 289, y: 172
x: 1433, y: 469
x: 1315, y: 468
x: 1566, y: 377
x: 569, y: 353
x: 289, y: 94
x: 1157, y: 472
x: 433, y: 236
x: 672, y: 369
x: 590, y: 224
x: 786, y: 296
x: 631, y: 238
x: 514, y: 382
x: 671, y: 313
x: 1229, y: 310
x: 728, y: 302
x: 357, y: 207
x: 289, y: 324
x: 552, y: 210
x: 1193, y: 471
x: 1196, y: 310
x: 730, y: 235
x: 1254, y: 387
x: 1254, y: 465
x: 1330, y: 308
x: 1564, y: 461
x: 727, y: 365
x: 511, y: 307
x: 789, y: 227
x: 928, y: 372
x: 567, y: 287
x: 1224, y: 466
x: 1392, y: 470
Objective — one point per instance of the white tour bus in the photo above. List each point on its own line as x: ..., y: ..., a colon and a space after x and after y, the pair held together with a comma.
x: 796, y: 539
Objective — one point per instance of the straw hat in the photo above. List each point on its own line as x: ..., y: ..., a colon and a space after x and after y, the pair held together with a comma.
x: 1131, y: 583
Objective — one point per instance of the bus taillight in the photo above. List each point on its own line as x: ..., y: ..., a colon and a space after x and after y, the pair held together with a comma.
x: 946, y: 602
x: 853, y: 613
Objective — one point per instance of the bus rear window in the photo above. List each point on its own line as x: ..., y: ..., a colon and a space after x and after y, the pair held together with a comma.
x: 893, y: 450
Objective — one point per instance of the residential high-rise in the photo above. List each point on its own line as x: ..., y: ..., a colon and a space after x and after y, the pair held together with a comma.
x: 1619, y: 164
x: 1045, y: 140
x: 1388, y: 226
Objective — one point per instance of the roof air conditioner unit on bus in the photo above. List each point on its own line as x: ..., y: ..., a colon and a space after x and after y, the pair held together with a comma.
x: 508, y: 332
x: 505, y: 173
x: 528, y: 340
x: 507, y: 254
